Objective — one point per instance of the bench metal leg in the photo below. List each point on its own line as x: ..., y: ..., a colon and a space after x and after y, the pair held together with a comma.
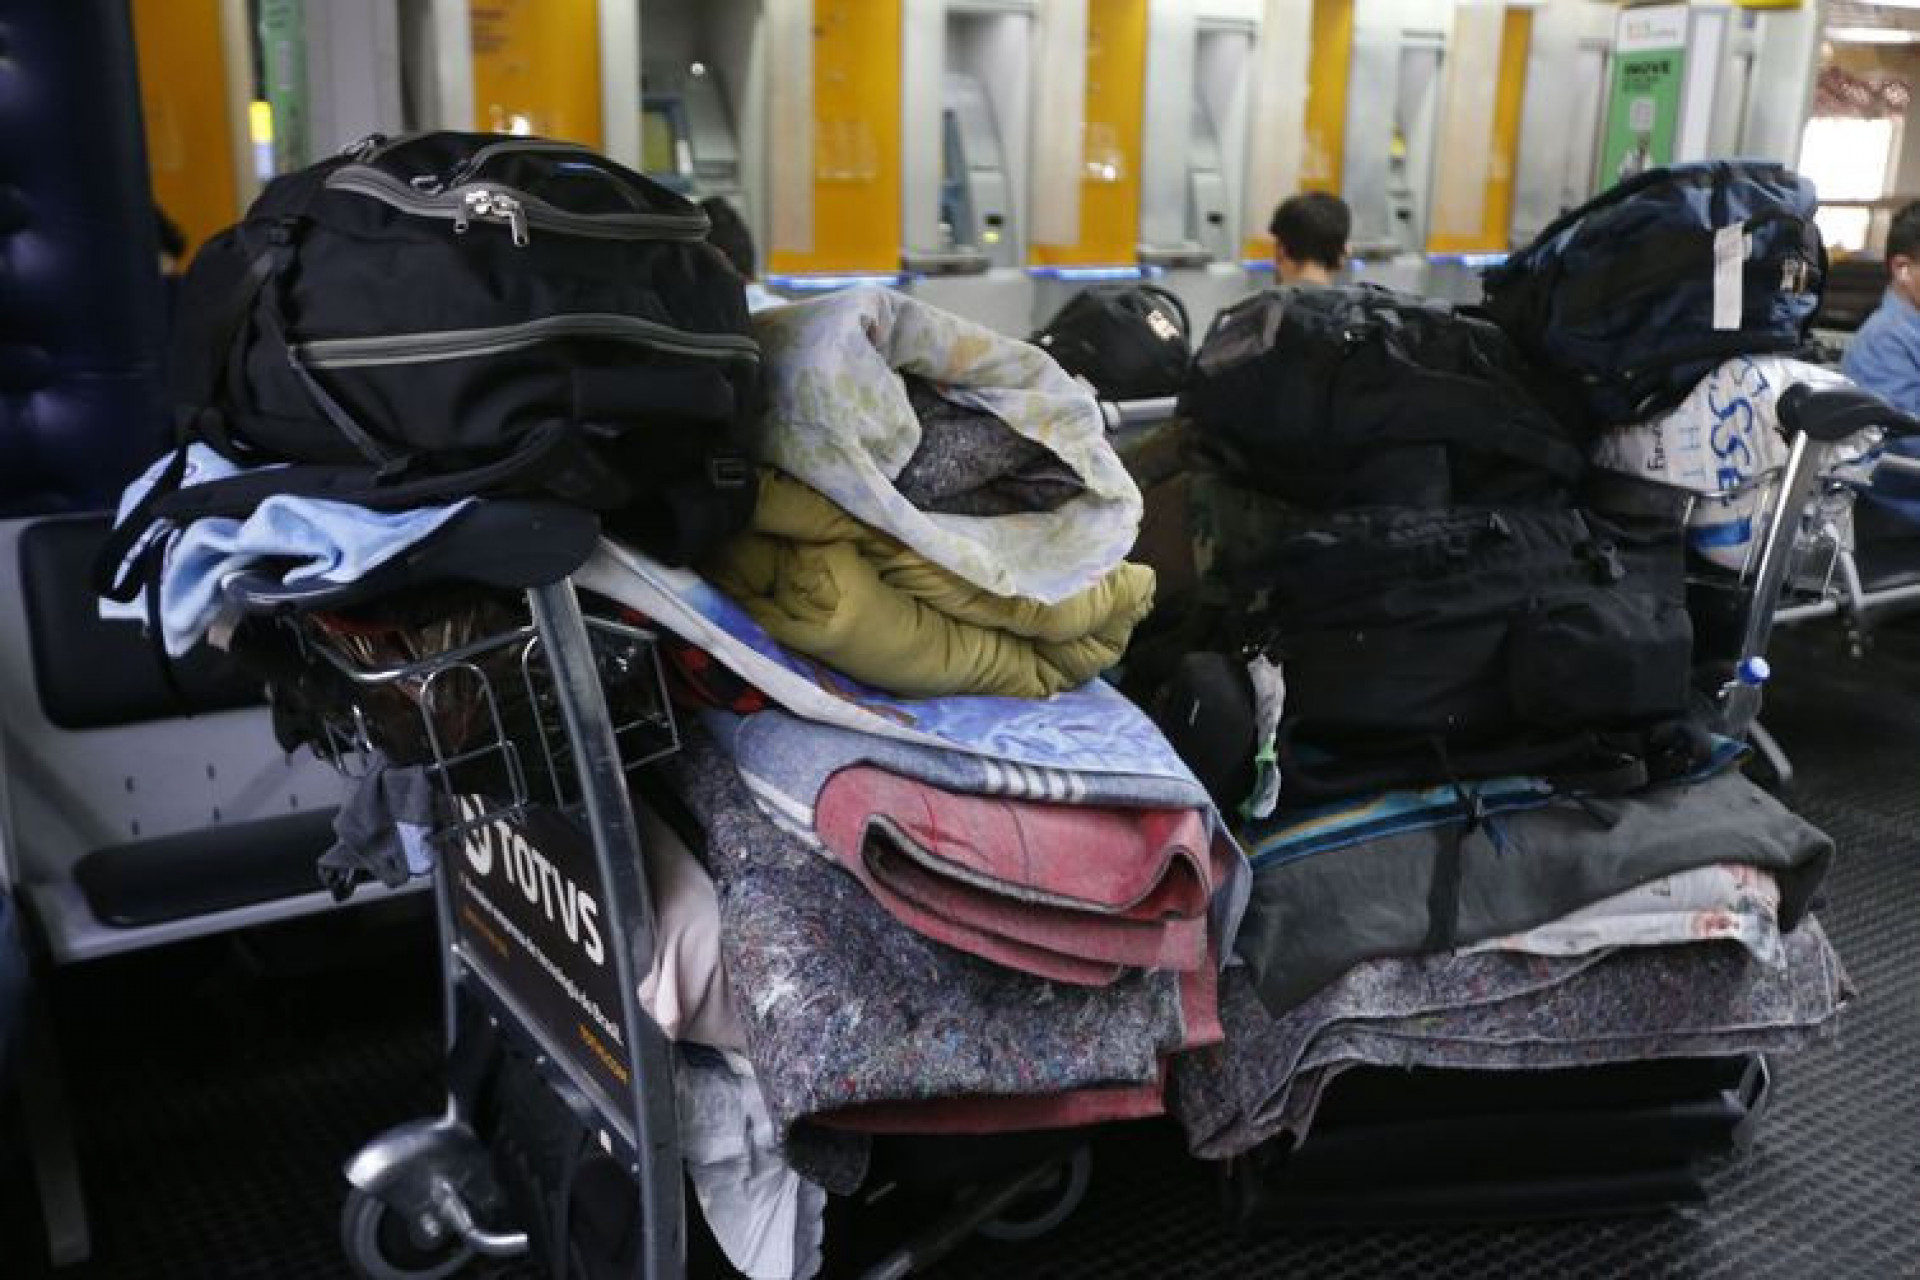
x: 48, y: 1117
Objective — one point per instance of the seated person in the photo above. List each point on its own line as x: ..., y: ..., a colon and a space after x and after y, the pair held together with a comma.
x: 1310, y: 237
x: 727, y: 231
x: 1884, y: 357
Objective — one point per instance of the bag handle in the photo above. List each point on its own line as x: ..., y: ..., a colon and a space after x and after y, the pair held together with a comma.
x: 1173, y: 302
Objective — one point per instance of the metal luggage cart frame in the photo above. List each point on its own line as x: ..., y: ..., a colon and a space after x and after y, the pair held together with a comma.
x: 1813, y: 420
x: 419, y: 1190
x: 1848, y: 598
x: 415, y: 1186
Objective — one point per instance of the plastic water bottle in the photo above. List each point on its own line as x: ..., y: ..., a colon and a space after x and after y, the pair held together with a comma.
x: 1754, y: 671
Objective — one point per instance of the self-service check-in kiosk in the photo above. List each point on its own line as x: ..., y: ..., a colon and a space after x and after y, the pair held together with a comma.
x: 1393, y: 113
x: 701, y: 101
x: 1200, y: 84
x: 966, y: 117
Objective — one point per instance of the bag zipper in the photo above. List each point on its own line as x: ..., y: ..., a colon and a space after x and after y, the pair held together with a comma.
x: 463, y: 344
x: 469, y: 202
x: 537, y: 146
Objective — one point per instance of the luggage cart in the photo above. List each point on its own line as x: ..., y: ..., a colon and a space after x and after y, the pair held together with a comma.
x: 1849, y: 597
x: 529, y: 733
x: 1799, y: 567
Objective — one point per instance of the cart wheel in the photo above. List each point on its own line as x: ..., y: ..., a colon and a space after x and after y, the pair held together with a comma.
x: 383, y: 1245
x: 1048, y: 1205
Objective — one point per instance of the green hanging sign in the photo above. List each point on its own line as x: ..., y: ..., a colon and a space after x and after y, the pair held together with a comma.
x: 1643, y: 102
x: 283, y: 59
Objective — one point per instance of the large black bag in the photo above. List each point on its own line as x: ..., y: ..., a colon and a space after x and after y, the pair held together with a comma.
x: 1643, y: 290
x: 450, y: 314
x: 1423, y: 634
x: 1131, y: 341
x: 1359, y: 396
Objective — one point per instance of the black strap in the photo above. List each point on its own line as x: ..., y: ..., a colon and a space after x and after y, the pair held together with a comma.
x: 117, y: 573
x: 1443, y: 890
x: 551, y: 458
x: 1582, y: 761
x: 211, y: 331
x: 273, y: 325
x: 1604, y: 773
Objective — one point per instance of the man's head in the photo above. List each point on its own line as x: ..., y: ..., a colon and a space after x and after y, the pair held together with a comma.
x: 1310, y: 237
x: 1903, y: 253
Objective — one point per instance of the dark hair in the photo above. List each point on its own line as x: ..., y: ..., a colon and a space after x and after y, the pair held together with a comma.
x: 1313, y: 227
x: 727, y: 231
x: 173, y: 241
x: 1903, y: 237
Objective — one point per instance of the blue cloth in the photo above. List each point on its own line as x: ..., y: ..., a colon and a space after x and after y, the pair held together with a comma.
x: 332, y: 543
x: 384, y: 830
x: 1884, y: 357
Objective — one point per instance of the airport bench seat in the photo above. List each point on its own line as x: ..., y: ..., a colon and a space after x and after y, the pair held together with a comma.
x: 140, y: 806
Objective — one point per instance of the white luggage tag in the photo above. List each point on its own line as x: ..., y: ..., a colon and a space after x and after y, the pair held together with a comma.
x: 1729, y: 264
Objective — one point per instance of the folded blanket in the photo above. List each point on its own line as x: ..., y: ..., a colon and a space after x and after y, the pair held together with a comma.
x: 1322, y: 905
x: 846, y: 1007
x: 787, y: 763
x: 1019, y: 882
x: 838, y: 418
x: 970, y: 463
x: 1091, y: 730
x: 829, y: 586
x: 1724, y: 902
x: 1498, y: 1011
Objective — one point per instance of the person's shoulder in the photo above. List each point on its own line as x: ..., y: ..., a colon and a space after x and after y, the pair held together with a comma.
x: 1892, y: 324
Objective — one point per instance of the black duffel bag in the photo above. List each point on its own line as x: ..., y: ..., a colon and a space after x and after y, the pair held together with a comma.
x: 1473, y: 641
x: 1642, y: 291
x: 453, y: 314
x: 1360, y: 396
x: 1129, y: 341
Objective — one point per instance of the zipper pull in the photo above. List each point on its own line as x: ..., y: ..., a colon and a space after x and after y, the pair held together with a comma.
x: 496, y: 207
x: 362, y: 149
x: 516, y: 218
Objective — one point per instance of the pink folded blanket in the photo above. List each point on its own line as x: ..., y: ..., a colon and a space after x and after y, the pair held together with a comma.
x: 1072, y: 893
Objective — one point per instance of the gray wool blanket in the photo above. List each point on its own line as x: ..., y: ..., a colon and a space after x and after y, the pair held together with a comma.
x: 845, y: 1006
x: 1499, y: 1011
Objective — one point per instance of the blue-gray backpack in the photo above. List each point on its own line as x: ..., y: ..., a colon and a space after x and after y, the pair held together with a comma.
x: 1638, y: 293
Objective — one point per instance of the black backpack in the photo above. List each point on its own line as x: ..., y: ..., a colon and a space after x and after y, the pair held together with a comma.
x: 1421, y: 645
x: 453, y: 314
x: 1359, y: 396
x: 1642, y: 291
x: 1130, y: 341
